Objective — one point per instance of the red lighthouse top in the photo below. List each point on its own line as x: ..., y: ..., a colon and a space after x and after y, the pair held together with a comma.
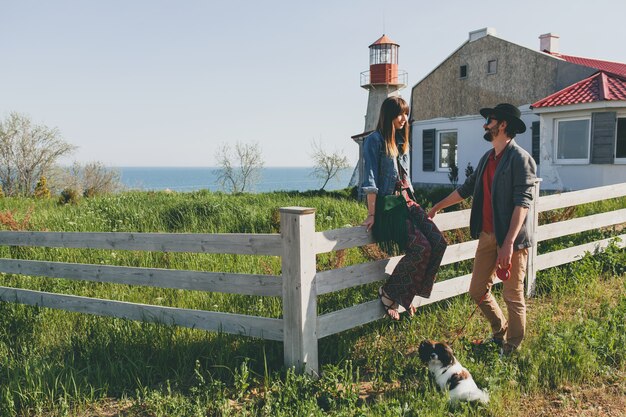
x: 384, y: 40
x: 383, y: 64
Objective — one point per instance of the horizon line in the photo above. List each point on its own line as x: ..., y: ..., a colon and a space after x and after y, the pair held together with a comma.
x: 195, y: 166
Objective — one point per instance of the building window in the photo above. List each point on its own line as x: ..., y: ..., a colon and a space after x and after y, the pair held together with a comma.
x: 463, y: 71
x: 620, y: 142
x: 492, y: 66
x: 572, y: 144
x: 447, y: 147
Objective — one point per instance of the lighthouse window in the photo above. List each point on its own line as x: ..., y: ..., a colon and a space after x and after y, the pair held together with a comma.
x: 384, y: 54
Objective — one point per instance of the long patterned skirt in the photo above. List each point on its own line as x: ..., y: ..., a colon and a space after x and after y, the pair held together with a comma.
x: 416, y: 271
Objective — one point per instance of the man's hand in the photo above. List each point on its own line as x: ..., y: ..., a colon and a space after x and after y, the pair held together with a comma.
x: 505, y: 253
x: 453, y: 198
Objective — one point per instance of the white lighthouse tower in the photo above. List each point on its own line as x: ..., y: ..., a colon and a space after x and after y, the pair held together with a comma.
x: 382, y: 80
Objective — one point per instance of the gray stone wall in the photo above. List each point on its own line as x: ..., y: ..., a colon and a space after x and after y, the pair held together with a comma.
x: 523, y: 76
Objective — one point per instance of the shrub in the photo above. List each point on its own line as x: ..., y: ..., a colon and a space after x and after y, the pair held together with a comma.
x: 90, y: 192
x: 469, y: 170
x: 453, y: 174
x: 41, y: 189
x: 69, y: 196
x: 10, y: 222
x: 88, y: 180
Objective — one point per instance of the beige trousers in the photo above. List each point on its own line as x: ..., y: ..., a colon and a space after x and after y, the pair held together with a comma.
x: 511, y: 331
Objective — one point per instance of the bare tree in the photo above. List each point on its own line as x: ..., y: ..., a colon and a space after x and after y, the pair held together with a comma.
x: 98, y: 179
x: 327, y: 165
x: 66, y: 178
x: 239, y: 169
x: 90, y: 179
x: 27, y: 152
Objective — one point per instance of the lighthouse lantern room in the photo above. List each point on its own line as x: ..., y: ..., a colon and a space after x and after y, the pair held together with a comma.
x: 384, y: 61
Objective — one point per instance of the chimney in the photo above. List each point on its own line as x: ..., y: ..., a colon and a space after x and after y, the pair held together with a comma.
x: 549, y: 42
x: 481, y: 33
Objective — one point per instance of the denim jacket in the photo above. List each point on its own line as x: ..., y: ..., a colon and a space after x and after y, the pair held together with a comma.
x: 381, y: 174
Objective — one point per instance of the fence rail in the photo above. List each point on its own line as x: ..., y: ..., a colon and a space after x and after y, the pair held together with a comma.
x: 235, y: 243
x: 263, y: 327
x: 299, y: 284
x: 246, y: 284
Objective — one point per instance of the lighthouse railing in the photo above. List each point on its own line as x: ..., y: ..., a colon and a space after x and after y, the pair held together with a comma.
x: 401, y: 79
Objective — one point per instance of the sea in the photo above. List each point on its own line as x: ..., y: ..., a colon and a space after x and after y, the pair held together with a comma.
x: 205, y: 178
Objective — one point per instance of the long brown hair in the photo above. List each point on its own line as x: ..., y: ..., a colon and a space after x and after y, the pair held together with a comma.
x: 389, y: 110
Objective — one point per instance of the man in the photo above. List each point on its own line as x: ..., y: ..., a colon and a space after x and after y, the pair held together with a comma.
x: 502, y: 187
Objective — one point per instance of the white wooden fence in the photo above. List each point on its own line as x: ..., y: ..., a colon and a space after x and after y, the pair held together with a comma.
x: 300, y: 283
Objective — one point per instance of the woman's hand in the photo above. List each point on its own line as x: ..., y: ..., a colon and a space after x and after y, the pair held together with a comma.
x: 371, y: 209
x: 369, y: 222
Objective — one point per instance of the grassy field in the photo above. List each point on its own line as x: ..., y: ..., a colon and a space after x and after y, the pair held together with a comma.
x: 55, y: 363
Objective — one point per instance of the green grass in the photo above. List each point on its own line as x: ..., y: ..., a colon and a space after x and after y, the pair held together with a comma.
x: 55, y: 363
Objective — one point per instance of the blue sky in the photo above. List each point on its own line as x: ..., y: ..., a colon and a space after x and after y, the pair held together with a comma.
x: 164, y: 83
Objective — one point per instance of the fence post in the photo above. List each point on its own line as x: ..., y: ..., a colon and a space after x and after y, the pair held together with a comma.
x: 297, y: 229
x: 533, y: 223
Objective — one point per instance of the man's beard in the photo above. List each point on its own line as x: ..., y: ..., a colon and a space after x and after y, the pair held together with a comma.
x: 489, y: 133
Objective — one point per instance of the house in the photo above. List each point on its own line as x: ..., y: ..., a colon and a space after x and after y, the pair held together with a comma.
x: 583, y: 133
x: 487, y: 70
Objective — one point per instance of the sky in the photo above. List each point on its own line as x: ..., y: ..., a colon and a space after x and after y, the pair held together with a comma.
x: 166, y: 83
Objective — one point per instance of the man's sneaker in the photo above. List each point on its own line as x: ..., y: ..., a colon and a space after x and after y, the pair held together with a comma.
x: 492, y: 340
x: 507, y: 350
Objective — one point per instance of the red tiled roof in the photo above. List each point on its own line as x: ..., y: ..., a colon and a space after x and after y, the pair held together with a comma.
x: 601, y: 86
x: 608, y: 66
x: 383, y: 40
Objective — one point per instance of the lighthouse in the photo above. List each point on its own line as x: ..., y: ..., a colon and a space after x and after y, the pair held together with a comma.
x: 382, y: 80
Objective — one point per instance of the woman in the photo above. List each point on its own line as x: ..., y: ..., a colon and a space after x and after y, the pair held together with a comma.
x: 386, y: 158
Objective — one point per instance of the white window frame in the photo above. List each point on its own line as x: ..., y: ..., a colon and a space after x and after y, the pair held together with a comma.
x: 618, y: 160
x: 577, y: 161
x: 438, y: 145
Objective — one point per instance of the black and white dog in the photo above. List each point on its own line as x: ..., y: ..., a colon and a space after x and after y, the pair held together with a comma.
x: 449, y: 373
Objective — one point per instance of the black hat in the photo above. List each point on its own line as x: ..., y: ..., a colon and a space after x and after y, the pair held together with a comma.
x: 508, y: 112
